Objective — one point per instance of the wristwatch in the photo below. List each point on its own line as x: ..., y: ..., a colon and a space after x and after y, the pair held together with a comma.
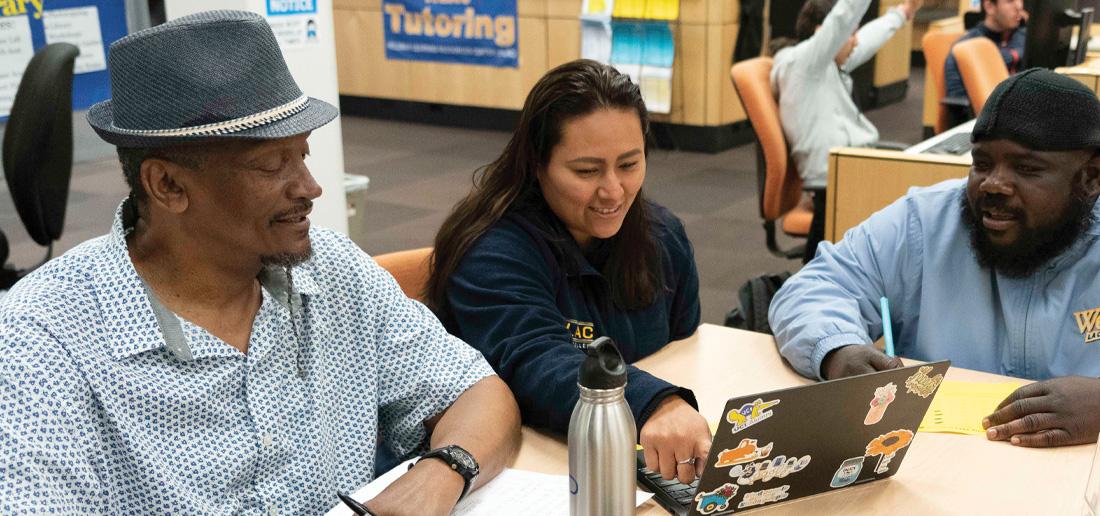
x: 460, y: 461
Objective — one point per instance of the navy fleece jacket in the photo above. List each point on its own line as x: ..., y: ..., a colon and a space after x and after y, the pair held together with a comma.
x: 528, y: 298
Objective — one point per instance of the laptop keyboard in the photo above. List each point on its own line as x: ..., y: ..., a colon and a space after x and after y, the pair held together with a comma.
x: 684, y: 494
x: 956, y: 144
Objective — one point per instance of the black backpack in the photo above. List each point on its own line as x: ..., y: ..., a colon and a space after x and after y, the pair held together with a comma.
x: 755, y: 296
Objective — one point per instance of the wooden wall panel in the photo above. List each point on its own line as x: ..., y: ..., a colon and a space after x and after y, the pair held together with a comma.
x: 565, y: 41
x: 363, y: 69
x: 702, y: 94
x: 892, y: 60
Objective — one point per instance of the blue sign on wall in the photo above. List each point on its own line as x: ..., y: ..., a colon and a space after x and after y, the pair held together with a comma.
x: 93, y: 84
x: 482, y: 32
x: 288, y: 7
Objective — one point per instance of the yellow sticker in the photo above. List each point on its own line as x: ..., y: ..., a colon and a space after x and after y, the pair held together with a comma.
x: 921, y: 384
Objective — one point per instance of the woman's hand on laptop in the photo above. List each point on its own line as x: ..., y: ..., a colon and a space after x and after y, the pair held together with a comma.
x: 676, y: 440
x: 1056, y: 412
x: 854, y: 360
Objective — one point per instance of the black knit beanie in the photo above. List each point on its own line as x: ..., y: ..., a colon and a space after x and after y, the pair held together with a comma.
x: 1041, y: 110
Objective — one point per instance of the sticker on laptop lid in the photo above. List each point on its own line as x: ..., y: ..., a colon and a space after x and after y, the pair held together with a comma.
x: 848, y: 472
x: 765, y: 470
x: 921, y: 384
x: 750, y: 414
x: 886, y: 445
x: 884, y: 396
x: 762, y: 497
x: 717, y: 500
x: 745, y: 452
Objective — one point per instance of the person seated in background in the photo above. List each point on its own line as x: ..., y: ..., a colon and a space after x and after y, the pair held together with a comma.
x: 556, y: 245
x: 999, y: 272
x: 214, y: 353
x: 812, y: 82
x: 1002, y: 26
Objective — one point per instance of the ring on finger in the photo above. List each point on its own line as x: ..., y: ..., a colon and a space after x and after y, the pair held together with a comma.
x: 687, y: 461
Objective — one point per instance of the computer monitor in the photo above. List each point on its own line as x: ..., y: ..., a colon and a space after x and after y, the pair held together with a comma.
x: 1050, y: 27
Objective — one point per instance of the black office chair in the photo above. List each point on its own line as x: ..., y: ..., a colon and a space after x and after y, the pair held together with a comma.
x: 38, y: 150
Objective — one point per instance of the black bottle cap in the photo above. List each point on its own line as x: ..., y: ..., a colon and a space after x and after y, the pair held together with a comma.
x: 604, y: 367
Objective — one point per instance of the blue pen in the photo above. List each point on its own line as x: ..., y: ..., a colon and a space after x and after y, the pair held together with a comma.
x: 887, y: 328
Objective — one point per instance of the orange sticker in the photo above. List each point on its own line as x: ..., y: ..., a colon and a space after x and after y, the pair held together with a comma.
x: 745, y: 452
x: 888, y: 444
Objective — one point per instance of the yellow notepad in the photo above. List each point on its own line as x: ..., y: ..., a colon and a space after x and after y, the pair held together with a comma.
x: 959, y: 407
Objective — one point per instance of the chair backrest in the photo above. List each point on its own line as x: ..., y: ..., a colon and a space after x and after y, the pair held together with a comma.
x: 782, y: 186
x: 936, y: 46
x: 981, y: 68
x: 409, y: 268
x: 38, y: 142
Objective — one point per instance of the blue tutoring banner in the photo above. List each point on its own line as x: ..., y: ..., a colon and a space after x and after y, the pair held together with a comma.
x: 480, y: 32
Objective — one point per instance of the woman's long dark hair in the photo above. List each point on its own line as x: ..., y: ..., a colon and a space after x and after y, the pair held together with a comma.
x: 569, y: 91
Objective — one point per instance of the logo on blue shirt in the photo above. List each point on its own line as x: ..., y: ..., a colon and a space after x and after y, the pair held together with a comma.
x: 1088, y: 321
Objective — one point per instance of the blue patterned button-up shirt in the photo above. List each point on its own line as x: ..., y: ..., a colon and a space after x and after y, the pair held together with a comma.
x: 103, y: 409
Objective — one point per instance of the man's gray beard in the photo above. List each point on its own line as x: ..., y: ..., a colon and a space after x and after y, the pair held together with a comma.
x: 286, y: 259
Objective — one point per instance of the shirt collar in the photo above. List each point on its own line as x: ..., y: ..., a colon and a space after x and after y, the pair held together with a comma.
x: 140, y: 323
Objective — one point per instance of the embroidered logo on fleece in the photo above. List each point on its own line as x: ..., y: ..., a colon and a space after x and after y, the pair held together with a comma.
x: 583, y: 333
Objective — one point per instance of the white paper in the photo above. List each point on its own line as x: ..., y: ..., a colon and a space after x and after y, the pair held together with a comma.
x: 656, y: 86
x: 1092, y: 488
x: 16, y: 50
x: 596, y: 40
x: 597, y: 9
x: 514, y: 491
x: 295, y: 31
x: 79, y: 26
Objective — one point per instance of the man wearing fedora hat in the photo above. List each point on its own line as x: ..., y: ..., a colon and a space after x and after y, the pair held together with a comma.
x: 999, y: 272
x: 214, y: 353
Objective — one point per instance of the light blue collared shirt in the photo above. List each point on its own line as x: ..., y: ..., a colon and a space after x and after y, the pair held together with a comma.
x: 110, y: 404
x: 943, y: 304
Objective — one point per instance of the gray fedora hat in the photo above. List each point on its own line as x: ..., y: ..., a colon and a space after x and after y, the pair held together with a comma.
x: 211, y: 75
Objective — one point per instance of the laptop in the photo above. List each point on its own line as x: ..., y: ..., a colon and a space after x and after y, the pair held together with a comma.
x: 782, y: 445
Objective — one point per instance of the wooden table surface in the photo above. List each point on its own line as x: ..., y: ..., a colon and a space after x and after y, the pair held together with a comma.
x: 942, y: 473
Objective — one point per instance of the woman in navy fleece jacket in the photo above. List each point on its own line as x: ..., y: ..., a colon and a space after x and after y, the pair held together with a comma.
x: 556, y: 246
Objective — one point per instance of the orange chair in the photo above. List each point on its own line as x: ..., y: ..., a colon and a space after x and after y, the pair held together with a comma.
x: 936, y: 46
x: 982, y: 68
x: 778, y: 185
x: 409, y: 268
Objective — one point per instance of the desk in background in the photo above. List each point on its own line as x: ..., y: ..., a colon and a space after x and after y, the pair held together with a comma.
x: 942, y: 473
x: 863, y: 181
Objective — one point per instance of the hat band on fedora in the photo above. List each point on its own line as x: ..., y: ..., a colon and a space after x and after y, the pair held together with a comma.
x: 229, y: 126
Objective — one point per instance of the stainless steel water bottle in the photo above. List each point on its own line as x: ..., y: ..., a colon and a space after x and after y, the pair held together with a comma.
x: 601, y: 437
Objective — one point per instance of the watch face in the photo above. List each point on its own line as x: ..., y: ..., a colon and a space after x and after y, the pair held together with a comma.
x: 460, y: 456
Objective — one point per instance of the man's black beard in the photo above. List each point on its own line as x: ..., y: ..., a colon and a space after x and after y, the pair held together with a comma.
x: 1034, y: 247
x: 286, y: 259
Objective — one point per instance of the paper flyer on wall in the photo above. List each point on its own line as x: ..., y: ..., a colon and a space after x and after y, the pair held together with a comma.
x: 78, y: 26
x: 597, y: 9
x: 626, y: 49
x: 294, y: 23
x: 629, y: 9
x: 656, y: 72
x: 596, y: 40
x: 662, y: 9
x: 16, y: 50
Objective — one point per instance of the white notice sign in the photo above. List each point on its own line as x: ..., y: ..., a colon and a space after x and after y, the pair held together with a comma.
x: 295, y: 31
x: 79, y: 26
x: 16, y: 51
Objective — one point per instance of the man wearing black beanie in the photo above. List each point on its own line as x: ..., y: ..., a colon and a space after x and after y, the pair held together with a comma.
x: 999, y: 273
